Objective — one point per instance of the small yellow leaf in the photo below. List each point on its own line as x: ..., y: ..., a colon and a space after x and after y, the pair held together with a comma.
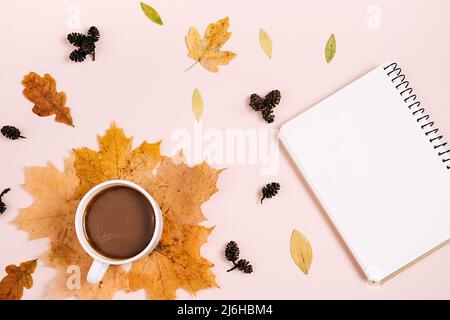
x: 151, y: 13
x: 197, y: 104
x: 265, y: 42
x: 330, y: 48
x: 301, y: 251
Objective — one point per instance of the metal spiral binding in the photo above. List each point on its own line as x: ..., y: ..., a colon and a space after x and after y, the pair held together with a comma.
x: 419, y: 112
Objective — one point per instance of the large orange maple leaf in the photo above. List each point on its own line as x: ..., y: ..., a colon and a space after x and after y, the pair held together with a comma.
x: 179, y: 189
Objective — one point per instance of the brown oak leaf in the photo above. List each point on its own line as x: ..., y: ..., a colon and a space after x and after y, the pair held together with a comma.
x: 179, y: 189
x: 17, y: 278
x: 47, y: 101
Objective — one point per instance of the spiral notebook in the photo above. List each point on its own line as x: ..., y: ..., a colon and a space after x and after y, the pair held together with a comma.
x: 380, y: 167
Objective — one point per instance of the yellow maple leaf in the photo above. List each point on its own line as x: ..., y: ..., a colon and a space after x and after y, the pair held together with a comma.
x: 183, y: 188
x: 207, y: 50
x: 52, y: 215
x: 175, y: 263
x: 116, y: 160
x: 179, y: 189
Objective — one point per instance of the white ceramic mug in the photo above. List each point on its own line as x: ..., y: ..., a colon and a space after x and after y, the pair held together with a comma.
x: 101, y: 262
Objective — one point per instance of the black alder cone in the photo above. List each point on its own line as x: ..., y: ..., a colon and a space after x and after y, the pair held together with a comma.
x: 85, y: 44
x: 2, y: 204
x: 94, y: 33
x: 270, y: 190
x: 266, y: 104
x: 268, y: 115
x: 272, y: 99
x: 88, y: 45
x: 256, y: 102
x: 244, y: 266
x: 11, y: 133
x: 232, y: 251
x: 232, y: 254
x: 76, y: 38
x: 77, y: 55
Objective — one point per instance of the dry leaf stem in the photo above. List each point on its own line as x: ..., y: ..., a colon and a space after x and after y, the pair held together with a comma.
x: 193, y: 65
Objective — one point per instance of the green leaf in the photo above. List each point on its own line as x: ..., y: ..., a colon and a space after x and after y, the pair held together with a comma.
x: 197, y: 104
x: 330, y: 48
x: 265, y: 42
x: 151, y: 13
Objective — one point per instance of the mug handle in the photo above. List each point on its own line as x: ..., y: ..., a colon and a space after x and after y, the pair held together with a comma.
x: 96, y: 272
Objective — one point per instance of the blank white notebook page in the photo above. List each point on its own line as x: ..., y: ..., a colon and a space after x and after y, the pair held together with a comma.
x: 375, y: 172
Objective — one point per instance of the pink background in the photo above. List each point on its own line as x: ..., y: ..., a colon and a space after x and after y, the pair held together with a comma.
x: 139, y: 81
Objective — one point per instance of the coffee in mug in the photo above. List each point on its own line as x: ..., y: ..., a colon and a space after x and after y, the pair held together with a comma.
x: 119, y: 222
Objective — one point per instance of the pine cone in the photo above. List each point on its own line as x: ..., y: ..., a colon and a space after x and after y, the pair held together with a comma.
x: 232, y: 251
x: 76, y: 38
x: 77, y: 55
x: 272, y: 99
x: 268, y: 115
x: 94, y: 33
x: 245, y: 266
x: 11, y: 132
x: 2, y: 204
x: 270, y: 190
x: 256, y: 102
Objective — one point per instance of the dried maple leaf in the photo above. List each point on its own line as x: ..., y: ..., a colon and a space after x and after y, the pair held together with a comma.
x: 180, y: 190
x: 52, y: 215
x: 47, y: 101
x: 17, y: 278
x: 206, y: 50
x: 175, y: 263
x: 116, y: 160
